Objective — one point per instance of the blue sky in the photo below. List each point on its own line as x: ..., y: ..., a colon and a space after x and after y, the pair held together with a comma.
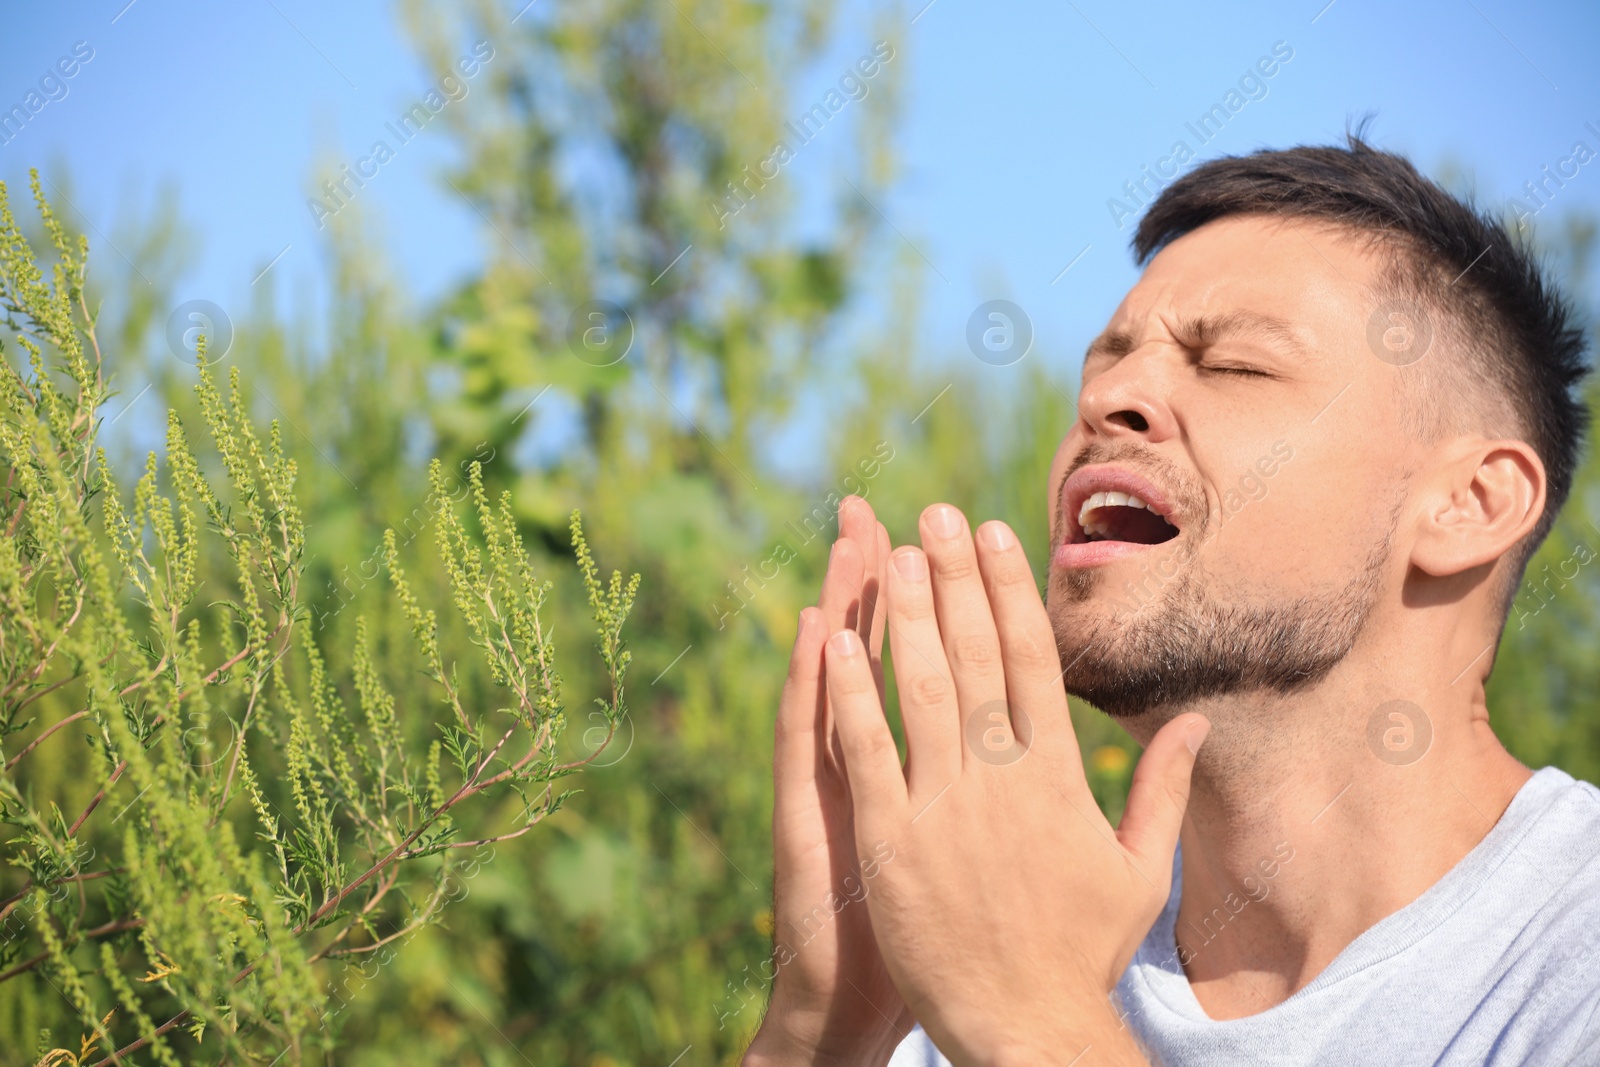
x: 1022, y: 121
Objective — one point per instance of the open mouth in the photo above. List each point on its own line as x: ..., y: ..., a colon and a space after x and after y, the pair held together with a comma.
x: 1114, y: 516
x: 1109, y: 511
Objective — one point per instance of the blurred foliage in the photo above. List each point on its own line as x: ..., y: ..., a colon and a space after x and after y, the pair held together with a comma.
x: 594, y: 146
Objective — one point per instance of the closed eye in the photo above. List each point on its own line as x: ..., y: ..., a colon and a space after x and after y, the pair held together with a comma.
x: 1249, y: 372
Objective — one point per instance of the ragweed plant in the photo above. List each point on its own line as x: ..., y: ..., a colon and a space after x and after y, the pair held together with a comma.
x: 244, y: 816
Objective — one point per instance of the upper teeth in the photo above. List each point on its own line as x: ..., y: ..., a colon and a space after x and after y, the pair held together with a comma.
x: 1105, y: 500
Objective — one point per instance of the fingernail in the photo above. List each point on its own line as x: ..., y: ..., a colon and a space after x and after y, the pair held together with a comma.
x: 997, y: 535
x: 845, y: 642
x: 944, y: 520
x: 800, y: 627
x: 1197, y: 735
x: 912, y: 565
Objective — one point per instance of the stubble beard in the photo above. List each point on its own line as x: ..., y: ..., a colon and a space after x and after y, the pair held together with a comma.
x: 1187, y: 645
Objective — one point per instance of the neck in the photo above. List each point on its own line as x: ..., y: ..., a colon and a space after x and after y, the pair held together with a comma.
x: 1313, y: 816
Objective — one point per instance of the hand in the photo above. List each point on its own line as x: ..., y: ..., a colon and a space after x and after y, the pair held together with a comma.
x: 833, y: 1000
x: 1012, y: 906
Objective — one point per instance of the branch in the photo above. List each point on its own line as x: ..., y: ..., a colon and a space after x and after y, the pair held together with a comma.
x: 238, y: 746
x: 72, y: 831
x: 14, y: 760
x: 416, y: 924
x: 99, y: 931
x: 473, y: 844
x: 122, y: 766
x: 378, y: 893
x: 134, y: 1046
x: 7, y: 904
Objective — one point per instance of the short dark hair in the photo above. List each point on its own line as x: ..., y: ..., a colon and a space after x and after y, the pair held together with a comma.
x: 1483, y: 285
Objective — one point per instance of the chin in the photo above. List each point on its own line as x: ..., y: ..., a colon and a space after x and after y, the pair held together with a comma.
x: 1136, y: 580
x: 1158, y: 653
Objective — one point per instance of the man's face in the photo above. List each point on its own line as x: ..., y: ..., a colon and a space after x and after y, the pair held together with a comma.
x: 1234, y: 395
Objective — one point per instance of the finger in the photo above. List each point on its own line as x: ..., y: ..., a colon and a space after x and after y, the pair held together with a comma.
x: 840, y: 602
x: 880, y: 614
x: 928, y: 706
x: 852, y: 595
x: 872, y: 763
x: 1028, y: 655
x: 1160, y: 793
x: 966, y: 625
x: 840, y: 599
x: 796, y: 751
x: 857, y: 523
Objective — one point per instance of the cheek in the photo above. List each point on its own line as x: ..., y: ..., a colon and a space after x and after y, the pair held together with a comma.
x: 1308, y: 531
x: 1262, y: 553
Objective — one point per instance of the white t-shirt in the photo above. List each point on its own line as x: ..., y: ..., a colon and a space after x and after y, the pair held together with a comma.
x: 1498, y: 963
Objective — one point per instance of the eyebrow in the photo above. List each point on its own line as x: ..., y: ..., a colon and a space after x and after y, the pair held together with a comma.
x: 1203, y: 331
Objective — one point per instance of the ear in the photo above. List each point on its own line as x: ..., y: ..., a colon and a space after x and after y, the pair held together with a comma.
x: 1485, y: 496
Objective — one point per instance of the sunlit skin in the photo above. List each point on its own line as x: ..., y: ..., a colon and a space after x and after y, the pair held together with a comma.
x: 1007, y: 916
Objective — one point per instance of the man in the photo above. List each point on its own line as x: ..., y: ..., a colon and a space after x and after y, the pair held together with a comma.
x: 1315, y: 446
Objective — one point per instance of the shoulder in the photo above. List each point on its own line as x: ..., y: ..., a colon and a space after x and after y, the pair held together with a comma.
x: 1561, y: 814
x: 1555, y: 959
x: 1552, y: 846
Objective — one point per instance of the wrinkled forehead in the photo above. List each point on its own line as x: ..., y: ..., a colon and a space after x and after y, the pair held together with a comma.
x: 1318, y: 277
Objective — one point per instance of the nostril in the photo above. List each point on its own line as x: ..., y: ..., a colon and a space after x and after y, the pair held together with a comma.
x: 1131, y: 419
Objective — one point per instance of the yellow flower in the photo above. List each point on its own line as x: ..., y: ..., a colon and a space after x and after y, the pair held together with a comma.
x: 1110, y: 759
x: 763, y: 921
x: 164, y: 967
x: 60, y: 1057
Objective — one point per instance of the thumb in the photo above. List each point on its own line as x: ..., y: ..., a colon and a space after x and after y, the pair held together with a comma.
x: 1160, y: 792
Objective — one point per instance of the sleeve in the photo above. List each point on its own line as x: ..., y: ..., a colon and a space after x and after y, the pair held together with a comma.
x: 917, y: 1051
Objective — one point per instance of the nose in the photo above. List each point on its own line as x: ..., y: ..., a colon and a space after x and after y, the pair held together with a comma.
x: 1129, y: 399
